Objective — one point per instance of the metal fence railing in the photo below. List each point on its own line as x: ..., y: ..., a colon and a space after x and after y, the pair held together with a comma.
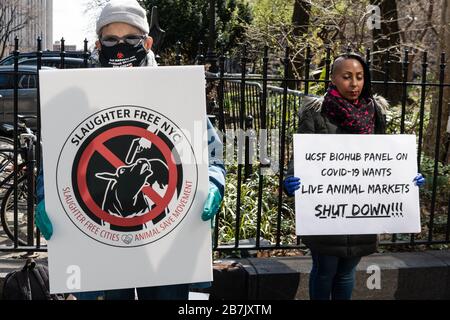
x: 256, y: 214
x: 265, y: 102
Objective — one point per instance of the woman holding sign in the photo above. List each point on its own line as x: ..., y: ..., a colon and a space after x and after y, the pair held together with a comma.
x: 348, y: 107
x: 123, y: 41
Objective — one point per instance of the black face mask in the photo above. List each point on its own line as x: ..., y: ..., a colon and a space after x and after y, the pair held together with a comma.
x: 123, y: 55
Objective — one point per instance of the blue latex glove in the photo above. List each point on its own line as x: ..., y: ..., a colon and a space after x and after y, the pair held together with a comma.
x: 212, y: 203
x: 419, y: 180
x: 42, y: 221
x: 291, y: 184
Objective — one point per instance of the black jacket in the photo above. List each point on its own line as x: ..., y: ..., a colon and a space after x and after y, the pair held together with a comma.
x: 312, y: 121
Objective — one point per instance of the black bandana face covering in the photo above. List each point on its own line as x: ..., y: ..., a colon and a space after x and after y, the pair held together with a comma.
x: 123, y: 55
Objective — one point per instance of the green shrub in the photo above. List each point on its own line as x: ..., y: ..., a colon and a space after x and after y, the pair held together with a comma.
x: 249, y: 210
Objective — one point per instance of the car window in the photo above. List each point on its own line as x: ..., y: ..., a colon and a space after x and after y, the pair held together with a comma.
x: 27, y: 81
x: 56, y: 63
x: 44, y: 62
x: 28, y: 62
x: 7, y: 62
x: 50, y: 63
x: 6, y: 81
x: 67, y: 64
x: 73, y: 65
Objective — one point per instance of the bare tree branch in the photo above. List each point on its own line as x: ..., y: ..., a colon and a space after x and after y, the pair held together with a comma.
x: 14, y: 16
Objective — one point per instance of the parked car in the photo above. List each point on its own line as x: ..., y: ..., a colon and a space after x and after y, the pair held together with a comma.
x: 55, y: 62
x: 45, y: 55
x: 27, y: 86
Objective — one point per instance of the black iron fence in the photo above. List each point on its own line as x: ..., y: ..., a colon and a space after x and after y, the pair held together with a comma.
x: 256, y: 215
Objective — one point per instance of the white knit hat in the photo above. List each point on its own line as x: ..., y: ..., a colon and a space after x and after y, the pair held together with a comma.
x: 126, y: 11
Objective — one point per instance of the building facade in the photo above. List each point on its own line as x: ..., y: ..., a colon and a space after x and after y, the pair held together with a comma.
x: 39, y: 24
x: 67, y: 47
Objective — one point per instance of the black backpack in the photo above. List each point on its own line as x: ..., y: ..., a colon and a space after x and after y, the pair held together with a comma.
x: 29, y: 283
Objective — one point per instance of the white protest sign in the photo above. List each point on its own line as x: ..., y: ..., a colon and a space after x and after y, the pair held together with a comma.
x: 356, y: 184
x: 126, y: 177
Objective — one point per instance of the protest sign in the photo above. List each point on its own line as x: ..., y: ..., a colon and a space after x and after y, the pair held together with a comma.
x: 126, y: 177
x: 356, y: 184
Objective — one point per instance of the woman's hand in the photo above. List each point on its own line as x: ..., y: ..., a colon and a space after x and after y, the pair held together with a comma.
x: 42, y: 221
x: 419, y: 180
x: 291, y: 184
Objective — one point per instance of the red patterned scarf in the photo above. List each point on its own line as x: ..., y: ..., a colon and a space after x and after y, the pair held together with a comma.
x: 354, y: 118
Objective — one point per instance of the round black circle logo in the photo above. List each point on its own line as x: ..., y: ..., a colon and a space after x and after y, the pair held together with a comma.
x: 123, y: 178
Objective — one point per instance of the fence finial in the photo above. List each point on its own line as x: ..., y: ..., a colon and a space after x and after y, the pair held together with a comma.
x: 349, y: 48
x: 200, y: 56
x: 178, y: 53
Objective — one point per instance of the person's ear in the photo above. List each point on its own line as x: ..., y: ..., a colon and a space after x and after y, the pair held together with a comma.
x: 332, y: 80
x: 148, y: 43
x: 98, y: 45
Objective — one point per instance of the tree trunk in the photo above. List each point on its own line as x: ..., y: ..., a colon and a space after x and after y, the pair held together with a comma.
x: 300, y: 17
x: 430, y: 136
x: 387, y: 39
x: 300, y: 22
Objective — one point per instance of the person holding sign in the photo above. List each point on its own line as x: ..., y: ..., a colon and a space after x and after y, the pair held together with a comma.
x: 122, y: 28
x: 348, y: 107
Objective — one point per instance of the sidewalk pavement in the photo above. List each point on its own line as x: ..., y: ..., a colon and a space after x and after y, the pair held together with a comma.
x: 388, y: 276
